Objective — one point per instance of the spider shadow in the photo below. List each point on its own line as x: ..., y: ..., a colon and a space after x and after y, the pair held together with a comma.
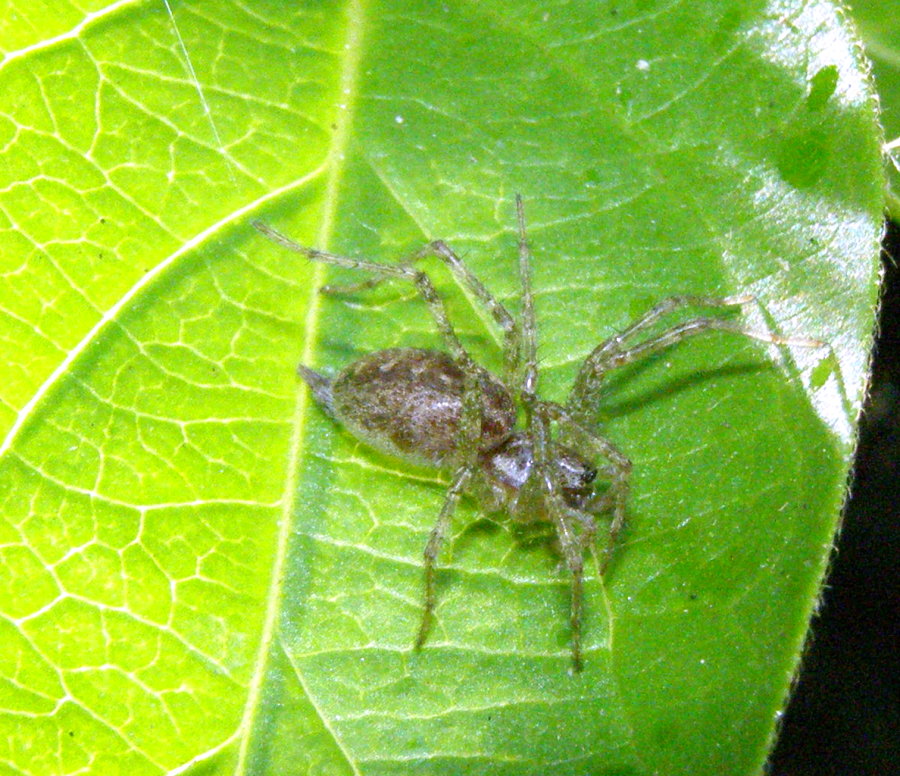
x: 339, y: 350
x: 665, y: 389
x: 529, y: 536
x: 537, y: 539
x: 662, y: 389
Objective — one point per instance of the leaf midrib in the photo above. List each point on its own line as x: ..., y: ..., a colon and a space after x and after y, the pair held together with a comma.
x: 335, y: 163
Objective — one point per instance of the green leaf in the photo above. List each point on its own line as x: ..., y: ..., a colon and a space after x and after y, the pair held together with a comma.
x: 200, y: 572
x: 879, y: 26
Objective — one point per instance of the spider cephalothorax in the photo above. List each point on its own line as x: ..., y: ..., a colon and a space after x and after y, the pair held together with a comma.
x: 444, y: 410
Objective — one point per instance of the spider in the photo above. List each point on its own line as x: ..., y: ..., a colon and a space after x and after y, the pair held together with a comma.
x: 442, y: 409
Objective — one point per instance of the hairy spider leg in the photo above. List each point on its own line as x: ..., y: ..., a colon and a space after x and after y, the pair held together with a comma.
x: 469, y: 435
x: 420, y: 280
x: 673, y: 303
x: 611, y: 353
x: 528, y: 344
x: 470, y: 422
x: 433, y: 548
x: 562, y: 516
x: 542, y: 485
x: 619, y: 473
x: 439, y: 249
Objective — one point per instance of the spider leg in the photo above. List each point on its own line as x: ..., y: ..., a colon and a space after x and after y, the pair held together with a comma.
x: 404, y: 269
x: 528, y: 384
x: 573, y: 555
x: 672, y: 303
x: 420, y: 280
x: 543, y: 480
x: 542, y: 488
x: 543, y: 492
x: 620, y: 471
x: 439, y: 249
x: 612, y: 353
x: 588, y: 526
x: 469, y: 436
x: 433, y: 547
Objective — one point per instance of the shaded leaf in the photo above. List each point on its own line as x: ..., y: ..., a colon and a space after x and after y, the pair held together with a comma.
x: 879, y: 26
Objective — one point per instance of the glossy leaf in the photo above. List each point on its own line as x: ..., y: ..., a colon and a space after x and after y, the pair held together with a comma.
x: 201, y: 573
x: 879, y: 26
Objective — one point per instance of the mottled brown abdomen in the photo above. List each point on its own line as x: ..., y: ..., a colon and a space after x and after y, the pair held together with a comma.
x: 408, y: 402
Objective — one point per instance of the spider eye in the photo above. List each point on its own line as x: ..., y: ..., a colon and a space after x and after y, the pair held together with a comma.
x: 589, y: 475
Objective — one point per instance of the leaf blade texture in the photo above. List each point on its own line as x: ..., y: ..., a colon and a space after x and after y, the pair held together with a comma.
x: 202, y: 574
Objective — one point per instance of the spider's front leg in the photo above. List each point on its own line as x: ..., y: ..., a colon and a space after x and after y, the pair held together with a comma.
x: 543, y: 494
x: 619, y: 350
x: 619, y: 472
x: 551, y: 503
x: 542, y: 491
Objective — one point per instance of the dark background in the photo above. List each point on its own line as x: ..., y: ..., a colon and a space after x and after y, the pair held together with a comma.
x: 844, y: 715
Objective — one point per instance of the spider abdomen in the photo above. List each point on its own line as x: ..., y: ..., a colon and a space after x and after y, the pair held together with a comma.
x: 408, y: 402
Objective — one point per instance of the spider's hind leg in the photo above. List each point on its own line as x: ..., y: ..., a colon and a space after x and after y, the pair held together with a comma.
x: 440, y: 250
x: 467, y: 461
x: 420, y: 281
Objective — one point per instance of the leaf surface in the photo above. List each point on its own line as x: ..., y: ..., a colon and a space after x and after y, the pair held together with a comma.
x: 202, y: 573
x: 879, y: 26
